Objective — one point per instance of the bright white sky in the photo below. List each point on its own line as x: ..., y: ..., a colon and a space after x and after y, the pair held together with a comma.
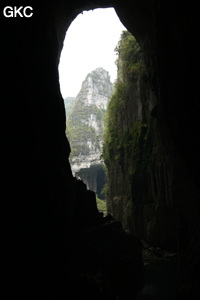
x: 89, y: 43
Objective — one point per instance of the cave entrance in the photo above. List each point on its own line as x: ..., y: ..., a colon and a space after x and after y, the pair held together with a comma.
x: 87, y: 72
x: 94, y: 178
x: 89, y: 43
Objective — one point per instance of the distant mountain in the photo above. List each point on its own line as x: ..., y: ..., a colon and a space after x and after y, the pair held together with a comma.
x: 85, y: 126
x: 69, y: 102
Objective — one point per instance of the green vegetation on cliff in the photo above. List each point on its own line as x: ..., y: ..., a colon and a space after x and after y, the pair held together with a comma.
x: 130, y: 58
x: 84, y: 125
x: 121, y: 132
x: 101, y: 205
x: 69, y: 102
x: 126, y: 132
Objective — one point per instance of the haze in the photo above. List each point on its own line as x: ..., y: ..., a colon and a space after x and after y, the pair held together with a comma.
x: 89, y: 43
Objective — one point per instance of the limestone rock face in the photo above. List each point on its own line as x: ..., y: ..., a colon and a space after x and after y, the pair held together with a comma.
x: 85, y: 126
x: 96, y: 88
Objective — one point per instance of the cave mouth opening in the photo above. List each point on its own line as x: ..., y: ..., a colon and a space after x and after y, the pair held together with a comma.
x: 89, y: 45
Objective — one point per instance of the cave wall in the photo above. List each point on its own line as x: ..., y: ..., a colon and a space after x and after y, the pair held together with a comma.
x: 36, y: 185
x: 140, y: 162
x: 37, y: 197
x: 94, y: 178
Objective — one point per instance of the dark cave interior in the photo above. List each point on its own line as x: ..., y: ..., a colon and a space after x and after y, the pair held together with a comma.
x: 44, y: 250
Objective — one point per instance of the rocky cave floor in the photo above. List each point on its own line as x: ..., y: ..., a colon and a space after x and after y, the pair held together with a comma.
x: 112, y: 264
